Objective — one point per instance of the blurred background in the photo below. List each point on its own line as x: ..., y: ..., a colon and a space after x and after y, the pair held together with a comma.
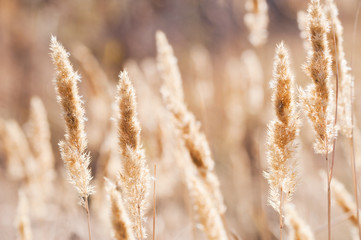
x: 226, y: 85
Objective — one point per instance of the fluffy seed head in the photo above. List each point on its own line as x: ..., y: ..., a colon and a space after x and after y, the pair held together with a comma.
x: 256, y: 19
x: 134, y: 177
x: 318, y: 97
x: 340, y: 69
x: 122, y: 228
x: 168, y: 67
x: 188, y: 128
x: 73, y: 149
x: 282, y: 133
x: 208, y: 214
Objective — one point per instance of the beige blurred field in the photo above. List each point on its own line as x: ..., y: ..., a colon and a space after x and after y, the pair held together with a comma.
x: 226, y: 86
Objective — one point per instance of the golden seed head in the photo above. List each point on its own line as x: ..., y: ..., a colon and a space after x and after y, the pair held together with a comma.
x: 282, y: 145
x: 73, y: 149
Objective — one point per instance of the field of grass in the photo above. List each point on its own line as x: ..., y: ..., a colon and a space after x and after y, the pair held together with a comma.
x: 169, y: 120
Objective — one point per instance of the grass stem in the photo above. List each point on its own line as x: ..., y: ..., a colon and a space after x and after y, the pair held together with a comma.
x: 88, y: 217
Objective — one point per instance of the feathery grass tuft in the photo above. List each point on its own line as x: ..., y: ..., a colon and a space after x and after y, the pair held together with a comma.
x: 189, y: 131
x: 282, y: 134
x: 134, y: 177
x: 73, y: 149
x: 256, y: 19
x: 208, y: 215
x: 317, y: 98
x: 168, y: 67
x: 121, y: 225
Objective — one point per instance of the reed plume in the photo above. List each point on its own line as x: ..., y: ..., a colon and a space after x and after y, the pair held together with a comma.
x: 73, y: 149
x: 302, y: 21
x: 197, y: 145
x: 40, y: 172
x: 121, y: 225
x: 22, y: 219
x: 344, y: 199
x: 340, y: 69
x: 134, y: 177
x: 189, y: 130
x: 168, y: 67
x: 40, y: 143
x: 24, y: 166
x: 256, y: 20
x: 282, y: 134
x: 208, y: 215
x: 299, y: 229
x: 317, y: 98
x: 16, y: 148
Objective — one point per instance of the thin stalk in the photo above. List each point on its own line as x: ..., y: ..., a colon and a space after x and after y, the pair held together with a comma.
x: 88, y: 217
x: 154, y: 200
x: 352, y: 142
x: 335, y: 122
x: 330, y: 168
x: 281, y: 212
x: 354, y: 178
x: 328, y: 193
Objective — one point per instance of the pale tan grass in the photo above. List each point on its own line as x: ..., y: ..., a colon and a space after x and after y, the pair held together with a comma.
x: 340, y: 69
x: 97, y: 79
x: 318, y: 97
x: 302, y: 21
x: 298, y: 227
x: 282, y: 135
x: 317, y: 100
x: 192, y: 137
x: 40, y: 143
x: 99, y: 95
x: 168, y: 67
x: 16, y: 149
x: 207, y: 213
x: 344, y: 83
x: 256, y: 20
x: 121, y: 225
x: 73, y: 149
x: 22, y: 219
x: 134, y: 177
x: 344, y: 200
